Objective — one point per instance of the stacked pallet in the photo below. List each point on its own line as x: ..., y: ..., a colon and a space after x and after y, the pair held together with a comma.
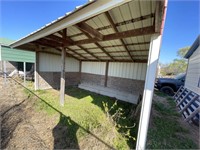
x: 189, y: 104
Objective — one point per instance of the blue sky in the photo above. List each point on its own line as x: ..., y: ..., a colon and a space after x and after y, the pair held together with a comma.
x: 21, y: 17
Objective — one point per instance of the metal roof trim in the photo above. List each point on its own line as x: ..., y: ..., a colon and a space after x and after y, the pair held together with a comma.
x: 193, y: 48
x: 98, y: 5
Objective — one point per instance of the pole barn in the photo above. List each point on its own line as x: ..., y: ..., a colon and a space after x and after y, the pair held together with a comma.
x: 108, y: 47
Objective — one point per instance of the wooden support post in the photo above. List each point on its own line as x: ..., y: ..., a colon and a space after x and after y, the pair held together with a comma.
x: 24, y: 73
x: 80, y: 68
x: 154, y: 50
x: 4, y: 71
x: 106, y: 74
x: 62, y: 78
x: 36, y: 80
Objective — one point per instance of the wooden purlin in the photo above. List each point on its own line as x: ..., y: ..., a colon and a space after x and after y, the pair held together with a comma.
x: 119, y: 35
x: 116, y: 30
x: 98, y: 45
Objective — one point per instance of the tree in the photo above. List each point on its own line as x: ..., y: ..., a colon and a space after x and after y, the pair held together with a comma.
x: 182, y: 51
x: 178, y: 65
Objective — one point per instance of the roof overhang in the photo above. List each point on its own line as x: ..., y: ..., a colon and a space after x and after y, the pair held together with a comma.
x: 102, y: 31
x: 193, y: 48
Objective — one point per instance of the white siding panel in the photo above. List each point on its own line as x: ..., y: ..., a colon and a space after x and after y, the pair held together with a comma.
x: 193, y: 72
x: 128, y: 70
x: 94, y: 67
x: 52, y: 63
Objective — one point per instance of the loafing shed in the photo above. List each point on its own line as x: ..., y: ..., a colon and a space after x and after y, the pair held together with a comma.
x: 109, y: 47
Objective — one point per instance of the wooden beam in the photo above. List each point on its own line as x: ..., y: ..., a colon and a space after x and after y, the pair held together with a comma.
x: 98, y: 45
x: 118, y: 45
x: 117, y: 60
x: 120, y: 35
x: 158, y: 16
x: 48, y: 42
x: 76, y: 53
x: 121, y: 23
x: 86, y: 28
x: 106, y: 74
x: 80, y: 70
x: 82, y: 48
x: 36, y: 68
x: 132, y: 51
x: 116, y: 30
x: 62, y: 79
x: 59, y: 39
x: 89, y: 52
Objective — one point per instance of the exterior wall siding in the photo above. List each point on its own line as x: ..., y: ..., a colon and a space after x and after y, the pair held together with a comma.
x: 193, y: 72
x: 135, y: 71
x: 52, y: 63
x: 16, y: 55
x: 94, y: 67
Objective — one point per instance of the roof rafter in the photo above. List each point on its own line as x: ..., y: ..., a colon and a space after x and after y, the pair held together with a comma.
x: 119, y: 60
x: 86, y: 28
x: 116, y: 30
x: 98, y: 45
x: 119, y: 35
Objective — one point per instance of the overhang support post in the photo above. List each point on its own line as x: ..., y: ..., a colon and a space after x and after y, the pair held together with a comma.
x: 4, y: 71
x: 62, y: 78
x: 36, y: 69
x: 106, y: 74
x: 24, y: 73
x: 154, y: 51
x: 80, y: 70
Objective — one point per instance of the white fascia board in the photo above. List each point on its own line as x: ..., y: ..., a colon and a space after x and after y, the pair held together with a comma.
x: 154, y: 51
x: 85, y: 13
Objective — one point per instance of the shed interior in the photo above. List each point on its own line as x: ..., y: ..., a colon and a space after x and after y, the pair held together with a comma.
x: 104, y: 47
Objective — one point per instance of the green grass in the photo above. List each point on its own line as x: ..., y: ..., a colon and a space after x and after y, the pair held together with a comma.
x: 84, y: 113
x: 167, y: 132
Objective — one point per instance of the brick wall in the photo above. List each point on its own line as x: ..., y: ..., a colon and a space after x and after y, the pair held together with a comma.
x: 122, y: 84
x: 92, y: 79
x: 52, y: 79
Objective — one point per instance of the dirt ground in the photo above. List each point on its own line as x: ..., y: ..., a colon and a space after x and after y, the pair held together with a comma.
x: 22, y: 127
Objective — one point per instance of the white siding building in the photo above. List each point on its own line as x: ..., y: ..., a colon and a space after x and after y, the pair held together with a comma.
x: 193, y: 71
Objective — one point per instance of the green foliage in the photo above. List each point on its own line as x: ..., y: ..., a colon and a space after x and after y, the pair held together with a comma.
x: 182, y: 51
x: 84, y: 113
x: 167, y: 132
x: 177, y: 65
x: 117, y: 116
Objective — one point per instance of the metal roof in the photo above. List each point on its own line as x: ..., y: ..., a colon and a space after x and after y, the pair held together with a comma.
x: 113, y: 31
x: 193, y: 48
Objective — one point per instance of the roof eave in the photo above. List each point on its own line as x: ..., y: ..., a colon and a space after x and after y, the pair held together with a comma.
x: 84, y: 13
x: 193, y: 48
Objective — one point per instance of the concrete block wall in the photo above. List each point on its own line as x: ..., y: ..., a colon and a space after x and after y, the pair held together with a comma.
x: 49, y: 80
